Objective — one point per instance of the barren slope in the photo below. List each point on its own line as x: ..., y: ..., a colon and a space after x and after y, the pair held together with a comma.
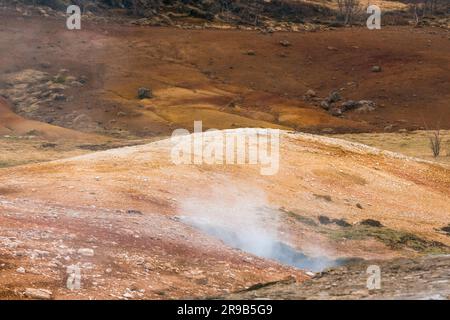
x: 243, y: 78
x: 130, y: 206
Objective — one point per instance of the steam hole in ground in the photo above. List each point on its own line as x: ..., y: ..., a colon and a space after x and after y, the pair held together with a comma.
x: 263, y: 244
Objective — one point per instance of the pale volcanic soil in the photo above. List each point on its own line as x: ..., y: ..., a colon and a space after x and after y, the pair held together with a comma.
x: 128, y: 206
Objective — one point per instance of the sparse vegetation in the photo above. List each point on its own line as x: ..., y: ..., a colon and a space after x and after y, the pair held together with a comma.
x: 370, y: 228
x: 394, y: 239
x: 302, y: 219
x: 325, y: 197
x: 348, y: 9
x: 435, y: 143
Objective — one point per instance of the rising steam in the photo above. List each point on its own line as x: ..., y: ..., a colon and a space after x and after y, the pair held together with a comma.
x: 242, y: 219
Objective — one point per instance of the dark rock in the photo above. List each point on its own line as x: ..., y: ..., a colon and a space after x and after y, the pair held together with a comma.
x: 336, y: 112
x: 376, y: 69
x: 285, y: 43
x: 134, y: 212
x: 334, y: 97
x: 324, y: 220
x: 145, y: 93
x: 48, y: 145
x: 310, y: 94
x: 325, y: 105
x: 446, y: 229
x: 349, y: 105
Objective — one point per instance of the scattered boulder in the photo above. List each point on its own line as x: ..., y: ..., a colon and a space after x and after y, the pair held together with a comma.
x: 47, y: 145
x: 446, y: 229
x: 250, y: 53
x: 362, y: 105
x: 366, y: 106
x: 323, y: 197
x: 134, y: 212
x: 358, y: 106
x: 20, y: 270
x: 349, y: 105
x: 324, y: 220
x: 41, y: 294
x: 285, y: 43
x: 325, y: 105
x: 88, y: 252
x: 144, y: 93
x: 334, y: 97
x: 376, y: 69
x: 310, y: 94
x: 336, y: 112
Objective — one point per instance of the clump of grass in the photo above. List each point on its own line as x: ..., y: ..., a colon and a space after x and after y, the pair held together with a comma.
x: 435, y: 143
x: 323, y: 197
x: 302, y: 219
x: 446, y: 229
x: 4, y: 164
x: 369, y: 228
x: 59, y: 79
x: 394, y: 239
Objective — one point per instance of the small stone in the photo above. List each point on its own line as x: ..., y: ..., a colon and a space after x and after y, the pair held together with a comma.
x: 336, y: 112
x: 285, y: 43
x: 311, y: 93
x: 76, y: 84
x: 144, y: 93
x: 41, y: 294
x: 20, y: 270
x: 334, y: 97
x: 86, y: 252
x: 349, y: 105
x: 376, y: 69
x: 325, y: 105
x: 134, y: 212
x: 58, y: 97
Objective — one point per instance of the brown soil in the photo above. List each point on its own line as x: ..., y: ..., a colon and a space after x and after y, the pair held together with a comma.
x: 196, y: 74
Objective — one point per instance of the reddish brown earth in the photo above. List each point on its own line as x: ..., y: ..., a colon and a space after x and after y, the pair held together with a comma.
x: 128, y: 205
x: 196, y: 74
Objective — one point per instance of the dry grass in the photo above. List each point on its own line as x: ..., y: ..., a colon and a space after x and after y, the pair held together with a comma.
x: 21, y: 150
x: 415, y: 144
